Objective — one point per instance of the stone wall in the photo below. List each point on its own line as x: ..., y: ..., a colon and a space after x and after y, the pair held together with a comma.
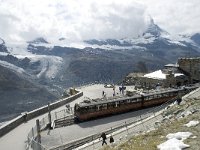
x: 37, y: 112
x: 191, y: 66
x: 150, y: 83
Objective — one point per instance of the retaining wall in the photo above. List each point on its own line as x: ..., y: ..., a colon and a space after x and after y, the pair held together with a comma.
x: 37, y: 112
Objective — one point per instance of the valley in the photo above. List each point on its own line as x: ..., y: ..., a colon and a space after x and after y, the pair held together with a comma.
x: 37, y: 72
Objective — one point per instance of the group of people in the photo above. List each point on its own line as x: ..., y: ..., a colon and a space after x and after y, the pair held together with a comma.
x: 121, y: 90
x: 103, y: 136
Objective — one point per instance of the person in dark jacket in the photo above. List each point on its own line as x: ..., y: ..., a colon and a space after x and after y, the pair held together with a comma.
x: 111, y: 139
x: 103, y: 136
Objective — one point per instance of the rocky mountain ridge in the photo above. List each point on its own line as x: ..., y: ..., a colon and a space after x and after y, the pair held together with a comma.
x: 57, y: 66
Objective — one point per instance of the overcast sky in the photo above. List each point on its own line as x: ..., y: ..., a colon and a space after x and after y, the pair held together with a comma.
x: 23, y: 20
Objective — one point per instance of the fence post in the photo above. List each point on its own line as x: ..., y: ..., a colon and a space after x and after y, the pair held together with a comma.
x: 38, y: 131
x: 126, y: 127
x: 32, y: 132
x: 71, y: 112
x: 142, y: 121
x: 49, y: 117
x: 92, y: 142
x: 56, y: 115
x: 28, y: 141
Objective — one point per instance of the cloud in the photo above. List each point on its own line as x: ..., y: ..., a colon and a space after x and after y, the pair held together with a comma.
x: 176, y: 16
x: 72, y: 19
x: 76, y: 20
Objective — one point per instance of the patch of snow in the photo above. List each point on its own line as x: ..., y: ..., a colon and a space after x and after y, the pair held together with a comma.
x: 12, y: 67
x: 19, y: 50
x: 194, y: 137
x: 47, y: 45
x: 2, y: 123
x: 50, y: 65
x: 3, y: 53
x: 186, y: 113
x: 142, y: 40
x: 178, y: 39
x: 156, y: 75
x: 1, y: 41
x: 192, y: 123
x: 175, y: 141
x: 178, y: 74
x: 115, y: 47
x: 176, y: 42
x: 179, y: 135
x: 172, y: 144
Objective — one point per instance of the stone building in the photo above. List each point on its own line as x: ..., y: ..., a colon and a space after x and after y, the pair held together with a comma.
x: 186, y: 71
x: 191, y: 67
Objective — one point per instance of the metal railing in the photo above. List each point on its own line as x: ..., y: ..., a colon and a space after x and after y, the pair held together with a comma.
x: 34, y: 133
x: 145, y: 122
x: 128, y: 127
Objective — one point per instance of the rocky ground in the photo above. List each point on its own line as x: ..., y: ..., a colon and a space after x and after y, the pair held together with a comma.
x: 175, y: 120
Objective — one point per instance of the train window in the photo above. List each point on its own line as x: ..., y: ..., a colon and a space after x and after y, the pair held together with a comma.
x: 151, y: 97
x: 171, y: 94
x: 100, y: 107
x: 111, y: 105
x: 91, y: 108
x: 83, y: 109
x: 121, y: 102
x: 104, y: 106
x: 165, y: 94
x: 128, y: 101
x: 139, y: 99
x: 132, y: 100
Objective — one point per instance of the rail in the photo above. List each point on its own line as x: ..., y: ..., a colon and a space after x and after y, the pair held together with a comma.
x: 76, y: 143
x: 33, y: 137
x: 91, y: 138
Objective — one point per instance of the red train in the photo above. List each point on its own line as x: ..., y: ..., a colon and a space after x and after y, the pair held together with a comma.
x: 100, y: 108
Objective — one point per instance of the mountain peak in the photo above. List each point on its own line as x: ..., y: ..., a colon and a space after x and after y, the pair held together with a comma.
x: 154, y: 29
x: 196, y: 38
x: 3, y: 48
x: 2, y: 41
x: 62, y: 39
x: 39, y: 40
x: 151, y: 21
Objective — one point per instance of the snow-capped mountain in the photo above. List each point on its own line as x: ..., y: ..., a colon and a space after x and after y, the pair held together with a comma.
x: 154, y: 30
x: 2, y: 46
x: 45, y: 59
x: 59, y: 64
x: 153, y: 35
x: 196, y: 38
x: 39, y: 40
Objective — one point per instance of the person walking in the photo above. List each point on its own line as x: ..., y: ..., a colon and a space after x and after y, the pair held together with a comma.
x: 111, y: 139
x: 103, y: 136
x: 103, y: 93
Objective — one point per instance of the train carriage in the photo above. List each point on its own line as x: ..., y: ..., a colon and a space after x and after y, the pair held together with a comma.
x: 100, y: 108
